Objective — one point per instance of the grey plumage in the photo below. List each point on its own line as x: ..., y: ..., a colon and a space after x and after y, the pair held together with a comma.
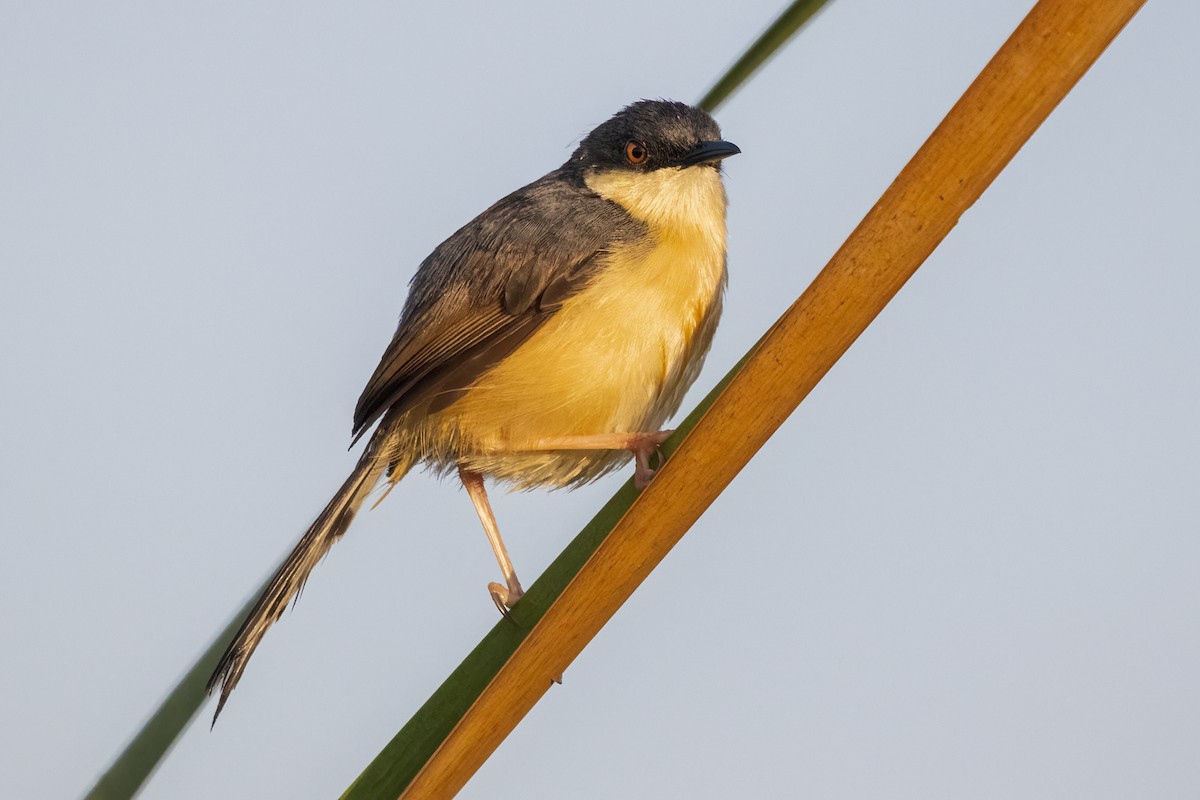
x: 484, y: 290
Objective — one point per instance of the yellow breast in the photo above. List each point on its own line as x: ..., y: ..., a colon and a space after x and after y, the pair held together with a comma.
x: 618, y: 356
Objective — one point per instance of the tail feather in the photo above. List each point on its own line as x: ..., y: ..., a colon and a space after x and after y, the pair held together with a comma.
x: 289, y: 580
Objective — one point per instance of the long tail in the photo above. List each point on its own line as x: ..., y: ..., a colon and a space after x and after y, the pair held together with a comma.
x: 288, y: 582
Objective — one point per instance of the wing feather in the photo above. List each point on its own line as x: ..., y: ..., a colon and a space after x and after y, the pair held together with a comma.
x: 487, y: 288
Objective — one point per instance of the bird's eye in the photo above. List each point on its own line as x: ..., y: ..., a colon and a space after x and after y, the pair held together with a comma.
x: 635, y: 154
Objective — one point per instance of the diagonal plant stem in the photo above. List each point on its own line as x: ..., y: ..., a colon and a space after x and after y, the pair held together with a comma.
x: 757, y: 54
x: 153, y: 741
x: 133, y: 766
x: 1051, y: 49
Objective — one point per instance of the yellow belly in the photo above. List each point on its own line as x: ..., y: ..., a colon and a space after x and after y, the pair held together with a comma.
x: 616, y: 358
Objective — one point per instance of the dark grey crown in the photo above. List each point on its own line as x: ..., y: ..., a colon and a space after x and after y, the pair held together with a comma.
x: 668, y: 130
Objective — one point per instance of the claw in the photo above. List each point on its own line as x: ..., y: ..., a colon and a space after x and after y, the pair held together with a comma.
x: 643, y: 447
x: 505, y: 597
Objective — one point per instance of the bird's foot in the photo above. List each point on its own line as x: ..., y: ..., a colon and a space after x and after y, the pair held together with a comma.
x: 505, y: 597
x: 643, y: 446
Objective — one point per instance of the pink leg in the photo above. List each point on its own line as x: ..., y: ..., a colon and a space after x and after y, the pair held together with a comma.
x: 506, y: 596
x: 642, y: 445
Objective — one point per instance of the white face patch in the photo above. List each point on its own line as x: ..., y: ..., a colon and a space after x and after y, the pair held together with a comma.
x: 667, y: 199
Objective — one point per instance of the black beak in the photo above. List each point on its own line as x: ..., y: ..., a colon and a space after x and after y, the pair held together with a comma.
x: 709, y: 153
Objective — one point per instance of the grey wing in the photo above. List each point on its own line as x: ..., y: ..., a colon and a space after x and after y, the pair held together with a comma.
x: 488, y: 287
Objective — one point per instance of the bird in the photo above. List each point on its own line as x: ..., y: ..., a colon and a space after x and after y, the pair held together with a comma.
x: 543, y: 344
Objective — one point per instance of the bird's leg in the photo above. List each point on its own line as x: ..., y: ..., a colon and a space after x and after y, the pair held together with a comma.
x: 505, y: 597
x: 642, y: 445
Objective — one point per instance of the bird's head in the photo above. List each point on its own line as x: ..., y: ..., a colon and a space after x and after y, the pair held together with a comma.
x: 654, y: 134
x: 660, y: 160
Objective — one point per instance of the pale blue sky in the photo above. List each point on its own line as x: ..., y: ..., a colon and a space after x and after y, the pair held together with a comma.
x: 966, y: 567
